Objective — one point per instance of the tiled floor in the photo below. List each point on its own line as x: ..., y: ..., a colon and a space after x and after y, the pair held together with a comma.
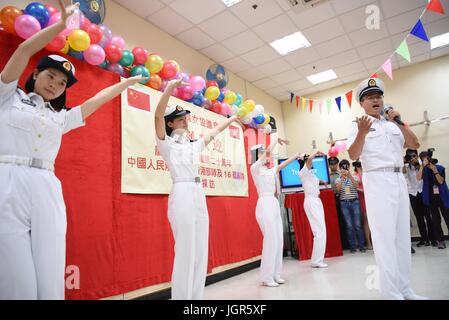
x: 348, y: 277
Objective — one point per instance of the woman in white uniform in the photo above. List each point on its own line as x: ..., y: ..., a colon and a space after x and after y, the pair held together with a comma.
x: 268, y: 214
x: 32, y: 209
x: 314, y: 211
x: 187, y: 209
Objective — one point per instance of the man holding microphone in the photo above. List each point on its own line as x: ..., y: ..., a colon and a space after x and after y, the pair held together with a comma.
x: 379, y: 142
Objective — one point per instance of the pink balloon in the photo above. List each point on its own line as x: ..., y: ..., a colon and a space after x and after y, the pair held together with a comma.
x: 95, y: 55
x: 118, y: 41
x: 185, y: 93
x: 54, y: 19
x: 26, y: 26
x: 197, y: 83
x: 340, y: 146
x: 65, y: 32
x: 225, y: 109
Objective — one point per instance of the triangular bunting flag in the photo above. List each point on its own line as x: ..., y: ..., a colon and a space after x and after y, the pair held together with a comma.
x: 303, y: 104
x: 403, y: 51
x: 310, y: 105
x: 374, y: 76
x: 321, y: 106
x: 297, y: 102
x: 338, y: 101
x: 349, y: 98
x: 435, y: 5
x: 328, y: 105
x: 387, y: 68
x: 292, y: 95
x: 419, y: 32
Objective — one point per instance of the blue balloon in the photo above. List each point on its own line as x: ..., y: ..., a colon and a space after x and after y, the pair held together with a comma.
x: 259, y: 119
x: 221, y: 97
x: 239, y: 100
x: 76, y: 54
x: 38, y: 11
x: 198, y: 99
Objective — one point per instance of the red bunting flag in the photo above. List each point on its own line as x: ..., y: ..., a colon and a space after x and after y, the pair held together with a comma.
x: 349, y: 98
x: 435, y: 6
x: 374, y: 76
x: 297, y: 102
x: 310, y: 105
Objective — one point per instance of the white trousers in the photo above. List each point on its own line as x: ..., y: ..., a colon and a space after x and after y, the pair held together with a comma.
x: 32, y: 234
x: 315, y: 213
x: 268, y: 215
x: 189, y: 221
x: 387, y: 206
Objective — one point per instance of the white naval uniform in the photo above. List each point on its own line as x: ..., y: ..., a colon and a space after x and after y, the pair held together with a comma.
x: 387, y: 204
x: 188, y: 216
x: 315, y: 213
x: 32, y: 209
x: 268, y: 215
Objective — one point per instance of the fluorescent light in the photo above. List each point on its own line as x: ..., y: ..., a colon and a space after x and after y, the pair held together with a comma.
x: 322, y: 77
x: 290, y: 43
x: 230, y: 3
x: 439, y: 41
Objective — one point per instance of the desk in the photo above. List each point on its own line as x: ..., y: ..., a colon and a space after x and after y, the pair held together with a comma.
x: 303, y: 232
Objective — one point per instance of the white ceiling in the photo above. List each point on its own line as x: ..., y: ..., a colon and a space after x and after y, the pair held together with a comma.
x: 239, y: 37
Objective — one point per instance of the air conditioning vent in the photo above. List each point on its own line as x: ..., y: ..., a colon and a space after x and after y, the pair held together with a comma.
x: 303, y: 5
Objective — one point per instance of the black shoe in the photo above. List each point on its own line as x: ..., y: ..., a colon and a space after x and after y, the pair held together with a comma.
x: 427, y: 244
x: 420, y: 244
x: 413, y: 250
x: 434, y: 244
x: 441, y: 245
x: 362, y: 250
x: 352, y: 250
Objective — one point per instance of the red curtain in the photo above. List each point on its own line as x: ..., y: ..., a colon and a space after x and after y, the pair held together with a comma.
x: 123, y: 242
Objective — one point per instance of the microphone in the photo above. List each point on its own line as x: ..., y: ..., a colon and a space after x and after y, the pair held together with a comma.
x: 387, y: 108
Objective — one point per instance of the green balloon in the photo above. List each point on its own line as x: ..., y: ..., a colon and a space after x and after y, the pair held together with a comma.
x: 142, y: 71
x: 127, y: 59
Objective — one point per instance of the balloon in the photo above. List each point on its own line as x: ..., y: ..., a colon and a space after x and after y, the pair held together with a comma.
x: 127, y: 58
x: 259, y: 119
x: 140, y: 55
x: 8, y: 16
x: 198, y: 98
x: 169, y: 70
x: 142, y: 71
x: 113, y: 53
x: 211, y: 83
x: 119, y: 42
x: 76, y: 54
x: 230, y: 97
x: 234, y: 110
x: 95, y: 55
x: 216, y: 106
x: 221, y: 97
x: 154, y: 63
x: 332, y: 152
x: 185, y: 93
x: 225, y: 109
x: 94, y: 32
x: 79, y: 40
x: 246, y: 120
x: 243, y: 113
x: 249, y: 105
x: 212, y: 93
x: 38, y: 11
x: 182, y: 75
x: 104, y: 64
x: 163, y: 85
x: 66, y: 48
x: 116, y: 68
x: 54, y: 19
x: 340, y: 146
x: 51, y: 10
x: 267, y: 120
x: 26, y: 26
x: 155, y: 82
x: 259, y: 109
x: 268, y: 129
x: 197, y: 83
x: 239, y: 100
x: 107, y: 36
x: 85, y: 22
x: 57, y: 44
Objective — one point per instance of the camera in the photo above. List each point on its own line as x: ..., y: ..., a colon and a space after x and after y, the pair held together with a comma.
x: 345, y: 166
x: 430, y: 156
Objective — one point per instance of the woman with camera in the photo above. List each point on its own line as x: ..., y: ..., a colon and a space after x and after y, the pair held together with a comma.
x: 435, y: 193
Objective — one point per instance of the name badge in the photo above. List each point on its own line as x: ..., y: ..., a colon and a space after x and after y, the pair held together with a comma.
x: 436, y: 190
x: 347, y: 190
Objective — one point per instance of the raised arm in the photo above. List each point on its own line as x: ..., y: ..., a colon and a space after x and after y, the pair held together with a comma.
x: 211, y: 134
x: 287, y: 162
x: 94, y: 103
x: 271, y: 147
x: 310, y: 159
x: 20, y: 58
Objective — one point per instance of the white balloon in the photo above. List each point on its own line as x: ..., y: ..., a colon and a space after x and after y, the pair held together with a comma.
x: 247, y: 119
x: 260, y: 109
x: 267, y: 129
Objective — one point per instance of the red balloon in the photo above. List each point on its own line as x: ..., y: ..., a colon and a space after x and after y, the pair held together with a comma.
x: 113, y: 53
x: 51, y: 10
x: 211, y: 83
x: 95, y: 33
x: 57, y: 44
x: 332, y: 152
x: 169, y: 70
x: 140, y: 55
x: 216, y: 107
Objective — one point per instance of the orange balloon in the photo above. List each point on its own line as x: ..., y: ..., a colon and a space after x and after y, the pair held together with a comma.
x: 155, y: 82
x: 8, y: 16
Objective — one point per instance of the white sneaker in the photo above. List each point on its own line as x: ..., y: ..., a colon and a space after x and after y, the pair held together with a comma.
x: 415, y: 297
x: 279, y: 280
x: 270, y: 284
x: 319, y: 265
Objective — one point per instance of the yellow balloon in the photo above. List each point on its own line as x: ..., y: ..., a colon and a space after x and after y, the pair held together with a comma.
x: 212, y: 93
x: 230, y: 97
x: 154, y: 63
x: 267, y: 119
x: 66, y: 48
x: 249, y: 105
x: 242, y: 112
x: 79, y: 40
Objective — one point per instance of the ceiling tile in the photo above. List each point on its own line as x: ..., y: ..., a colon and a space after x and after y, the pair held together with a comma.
x: 403, y: 22
x: 265, y: 83
x: 397, y: 7
x: 164, y: 18
x: 350, y: 69
x: 311, y: 17
x: 266, y: 10
x: 334, y: 46
x: 364, y: 36
x: 297, y: 85
x: 195, y: 38
x: 261, y: 55
x: 359, y: 76
x: 236, y: 64
x: 342, y: 6
x: 329, y: 84
x: 197, y: 10
x: 438, y: 27
x: 277, y: 91
x: 222, y: 26
x: 287, y: 77
x: 302, y: 57
x: 218, y: 52
x: 375, y: 48
x: 251, y: 74
x: 419, y: 48
x: 324, y: 31
x: 275, y: 29
x: 417, y: 59
x: 275, y: 67
x: 335, y: 61
x: 439, y: 52
x: 243, y: 42
x: 356, y: 19
x: 374, y: 64
x: 141, y: 9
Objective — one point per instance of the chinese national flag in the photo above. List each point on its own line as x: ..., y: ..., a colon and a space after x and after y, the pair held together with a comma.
x: 234, y: 132
x: 138, y: 100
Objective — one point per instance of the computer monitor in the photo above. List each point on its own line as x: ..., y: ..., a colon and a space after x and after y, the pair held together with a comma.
x: 289, y: 176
